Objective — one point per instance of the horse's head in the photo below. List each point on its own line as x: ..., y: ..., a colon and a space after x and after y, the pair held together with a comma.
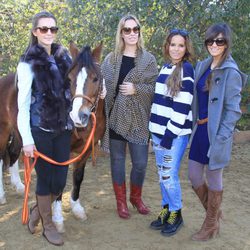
x: 86, y: 82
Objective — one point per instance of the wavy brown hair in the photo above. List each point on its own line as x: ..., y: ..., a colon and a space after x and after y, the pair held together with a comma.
x: 174, y: 81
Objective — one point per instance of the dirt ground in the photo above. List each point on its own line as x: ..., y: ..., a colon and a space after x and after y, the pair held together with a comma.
x: 106, y: 231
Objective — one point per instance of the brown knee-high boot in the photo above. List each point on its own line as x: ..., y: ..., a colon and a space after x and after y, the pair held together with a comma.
x: 120, y: 194
x: 211, y: 225
x: 49, y: 229
x: 202, y: 193
x: 34, y: 218
x: 135, y: 199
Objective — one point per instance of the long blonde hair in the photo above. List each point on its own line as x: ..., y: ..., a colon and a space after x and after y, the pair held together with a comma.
x: 174, y: 81
x: 119, y: 42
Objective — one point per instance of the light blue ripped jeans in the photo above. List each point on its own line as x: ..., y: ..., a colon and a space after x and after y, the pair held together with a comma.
x: 168, y: 162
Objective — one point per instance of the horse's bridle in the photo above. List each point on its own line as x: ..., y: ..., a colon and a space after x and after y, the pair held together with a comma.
x: 95, y: 103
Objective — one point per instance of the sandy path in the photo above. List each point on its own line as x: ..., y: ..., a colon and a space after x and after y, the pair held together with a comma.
x: 104, y: 230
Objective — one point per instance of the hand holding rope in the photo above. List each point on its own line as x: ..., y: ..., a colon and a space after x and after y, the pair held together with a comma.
x: 29, y: 167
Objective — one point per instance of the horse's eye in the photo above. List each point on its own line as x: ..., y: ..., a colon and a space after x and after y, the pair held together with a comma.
x: 95, y: 79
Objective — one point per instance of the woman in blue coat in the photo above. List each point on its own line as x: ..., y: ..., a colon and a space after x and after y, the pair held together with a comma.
x: 216, y: 109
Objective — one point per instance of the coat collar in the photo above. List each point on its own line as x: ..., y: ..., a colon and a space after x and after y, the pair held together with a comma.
x: 229, y: 63
x: 201, y: 68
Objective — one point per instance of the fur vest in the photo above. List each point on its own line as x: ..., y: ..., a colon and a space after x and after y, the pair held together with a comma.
x: 51, y: 97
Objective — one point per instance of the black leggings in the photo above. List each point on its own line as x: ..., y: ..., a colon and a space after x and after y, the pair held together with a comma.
x: 51, y: 179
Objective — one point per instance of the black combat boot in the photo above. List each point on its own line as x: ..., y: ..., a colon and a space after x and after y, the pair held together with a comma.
x: 159, y: 223
x: 173, y: 224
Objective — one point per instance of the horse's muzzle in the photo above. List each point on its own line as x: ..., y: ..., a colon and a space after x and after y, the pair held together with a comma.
x: 84, y: 117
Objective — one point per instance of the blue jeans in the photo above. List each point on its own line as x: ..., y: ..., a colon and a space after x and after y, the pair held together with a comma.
x: 168, y: 163
x: 139, y: 158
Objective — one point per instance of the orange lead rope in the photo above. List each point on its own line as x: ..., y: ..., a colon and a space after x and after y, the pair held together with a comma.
x: 93, y: 152
x: 28, y: 168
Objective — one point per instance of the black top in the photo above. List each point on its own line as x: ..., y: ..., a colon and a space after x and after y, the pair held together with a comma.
x: 127, y: 64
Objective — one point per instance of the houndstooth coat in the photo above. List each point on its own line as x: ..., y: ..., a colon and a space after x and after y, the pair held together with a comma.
x: 129, y: 115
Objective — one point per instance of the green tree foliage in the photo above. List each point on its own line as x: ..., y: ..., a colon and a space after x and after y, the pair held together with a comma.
x: 92, y: 21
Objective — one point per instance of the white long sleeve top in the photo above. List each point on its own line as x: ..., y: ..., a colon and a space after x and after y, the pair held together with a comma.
x: 25, y: 79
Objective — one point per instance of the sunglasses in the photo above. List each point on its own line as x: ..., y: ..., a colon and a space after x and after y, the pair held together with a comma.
x: 127, y: 31
x: 179, y: 32
x: 218, y: 42
x: 45, y: 29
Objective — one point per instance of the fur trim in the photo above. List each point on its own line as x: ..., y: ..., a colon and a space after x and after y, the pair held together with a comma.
x: 50, y: 85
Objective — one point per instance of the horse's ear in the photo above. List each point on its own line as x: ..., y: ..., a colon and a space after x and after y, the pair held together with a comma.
x: 97, y: 52
x: 74, y: 51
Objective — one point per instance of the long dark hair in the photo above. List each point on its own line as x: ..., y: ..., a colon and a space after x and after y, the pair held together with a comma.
x: 212, y: 32
x: 224, y: 29
x: 174, y: 81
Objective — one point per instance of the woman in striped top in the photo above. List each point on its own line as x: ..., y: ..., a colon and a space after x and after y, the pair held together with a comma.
x: 170, y: 126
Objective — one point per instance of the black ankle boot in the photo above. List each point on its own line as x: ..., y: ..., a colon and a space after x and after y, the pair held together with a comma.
x: 159, y: 223
x: 173, y: 224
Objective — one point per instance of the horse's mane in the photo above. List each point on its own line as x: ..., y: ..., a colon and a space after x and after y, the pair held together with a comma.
x: 84, y: 59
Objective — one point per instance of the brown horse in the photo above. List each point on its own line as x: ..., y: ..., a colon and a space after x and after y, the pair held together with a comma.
x: 10, y: 142
x: 86, y: 86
